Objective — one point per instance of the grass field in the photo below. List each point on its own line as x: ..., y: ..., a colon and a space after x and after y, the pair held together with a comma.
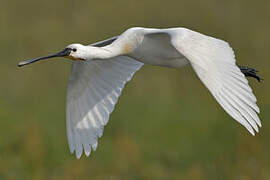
x: 165, y: 126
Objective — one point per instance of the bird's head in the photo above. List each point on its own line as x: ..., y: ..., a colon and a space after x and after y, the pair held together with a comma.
x: 77, y: 52
x: 72, y: 51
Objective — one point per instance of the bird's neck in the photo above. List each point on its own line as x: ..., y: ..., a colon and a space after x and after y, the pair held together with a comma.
x: 100, y: 53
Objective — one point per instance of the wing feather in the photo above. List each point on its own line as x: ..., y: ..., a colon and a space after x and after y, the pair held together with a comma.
x: 93, y: 90
x: 214, y: 62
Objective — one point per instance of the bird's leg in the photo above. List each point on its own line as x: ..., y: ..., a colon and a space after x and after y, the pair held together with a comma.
x: 250, y: 72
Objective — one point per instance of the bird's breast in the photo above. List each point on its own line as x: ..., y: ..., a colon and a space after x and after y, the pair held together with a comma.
x: 126, y: 48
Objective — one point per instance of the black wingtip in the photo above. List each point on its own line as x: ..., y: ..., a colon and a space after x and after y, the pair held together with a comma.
x: 250, y: 72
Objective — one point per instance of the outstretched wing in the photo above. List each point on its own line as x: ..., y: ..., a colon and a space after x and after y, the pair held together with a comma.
x: 214, y: 62
x: 93, y: 90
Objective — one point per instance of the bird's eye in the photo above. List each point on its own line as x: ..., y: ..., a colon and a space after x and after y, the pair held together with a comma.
x: 74, y: 50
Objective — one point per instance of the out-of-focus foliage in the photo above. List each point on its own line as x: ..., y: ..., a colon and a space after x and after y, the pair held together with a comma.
x: 166, y: 125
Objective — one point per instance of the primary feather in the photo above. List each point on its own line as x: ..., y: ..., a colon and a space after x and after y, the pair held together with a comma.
x: 93, y: 90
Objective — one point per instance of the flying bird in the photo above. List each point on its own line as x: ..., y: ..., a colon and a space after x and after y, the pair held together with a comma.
x: 100, y: 71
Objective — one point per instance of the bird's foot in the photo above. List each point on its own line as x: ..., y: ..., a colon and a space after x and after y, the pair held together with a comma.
x: 250, y: 72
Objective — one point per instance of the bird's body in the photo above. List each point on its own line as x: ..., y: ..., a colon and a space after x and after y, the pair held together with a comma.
x: 148, y: 45
x: 100, y: 71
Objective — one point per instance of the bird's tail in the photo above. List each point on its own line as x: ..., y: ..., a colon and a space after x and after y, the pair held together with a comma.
x: 250, y: 72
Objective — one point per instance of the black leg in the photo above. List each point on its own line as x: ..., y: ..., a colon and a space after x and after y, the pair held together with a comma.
x: 250, y: 72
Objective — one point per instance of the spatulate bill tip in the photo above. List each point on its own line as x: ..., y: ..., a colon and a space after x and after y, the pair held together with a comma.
x: 22, y: 63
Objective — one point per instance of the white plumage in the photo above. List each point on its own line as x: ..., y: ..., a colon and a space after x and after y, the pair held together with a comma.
x: 96, y: 82
x: 93, y: 90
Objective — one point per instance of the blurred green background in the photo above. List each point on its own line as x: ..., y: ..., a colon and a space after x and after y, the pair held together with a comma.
x: 165, y: 126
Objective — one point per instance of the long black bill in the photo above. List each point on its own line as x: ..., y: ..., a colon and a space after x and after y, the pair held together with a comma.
x: 63, y: 53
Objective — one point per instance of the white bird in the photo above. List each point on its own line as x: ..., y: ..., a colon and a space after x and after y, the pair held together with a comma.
x: 100, y: 71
